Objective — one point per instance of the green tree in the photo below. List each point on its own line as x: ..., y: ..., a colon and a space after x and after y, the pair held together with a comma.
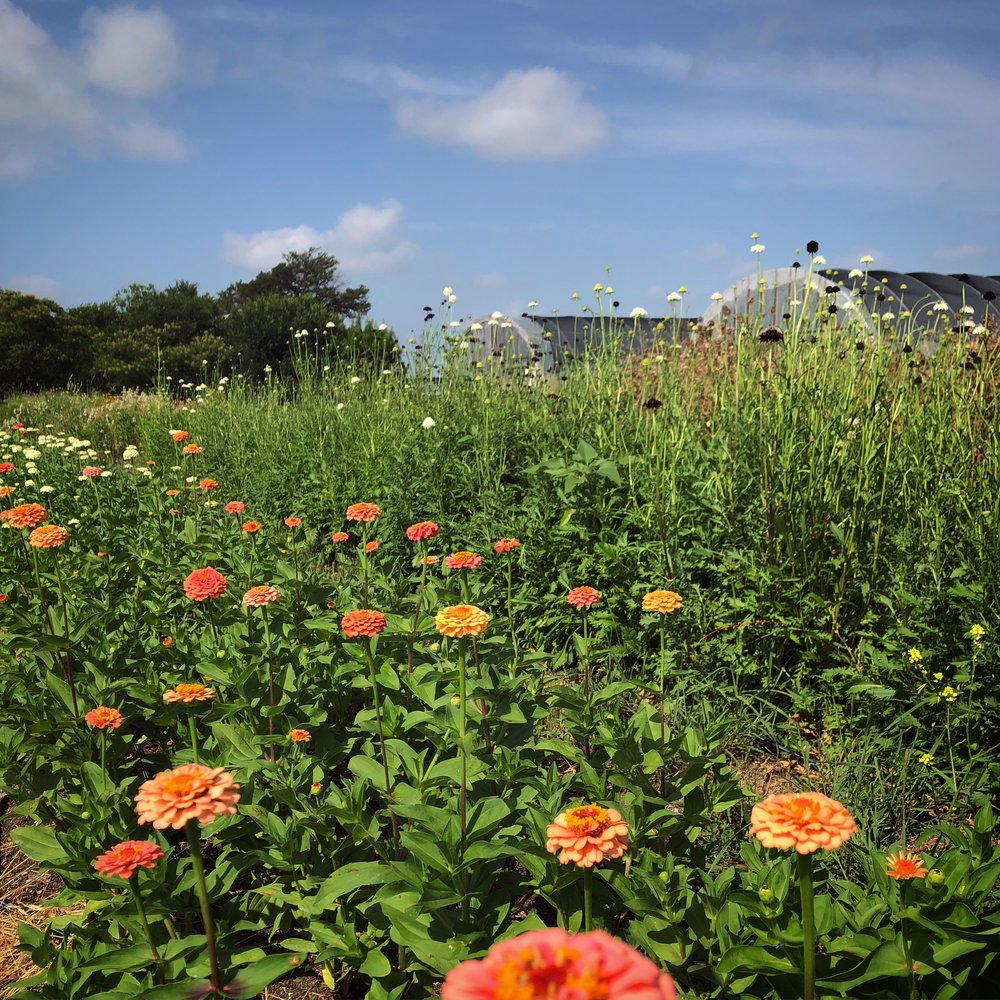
x: 41, y: 345
x: 306, y: 274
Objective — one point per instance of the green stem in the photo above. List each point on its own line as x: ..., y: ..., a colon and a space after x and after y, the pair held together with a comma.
x: 663, y: 715
x: 804, y: 862
x: 907, y: 957
x: 381, y: 745
x: 191, y: 830
x: 140, y: 909
x: 510, y: 608
x: 192, y: 729
x: 68, y: 662
x: 270, y: 687
x: 588, y: 899
x: 463, y: 775
x: 586, y: 683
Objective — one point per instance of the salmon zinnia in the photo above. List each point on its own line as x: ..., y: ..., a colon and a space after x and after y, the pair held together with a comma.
x: 506, y: 545
x: 903, y: 866
x: 462, y: 560
x: 461, y: 620
x: 258, y: 597
x: 189, y: 792
x: 123, y: 859
x: 421, y: 531
x: 25, y: 515
x: 339, y: 536
x: 188, y: 693
x: 554, y: 965
x: 362, y: 512
x: 582, y: 597
x: 49, y: 536
x: 103, y: 717
x: 664, y: 601
x: 805, y: 821
x: 364, y: 622
x: 586, y: 835
x: 205, y: 583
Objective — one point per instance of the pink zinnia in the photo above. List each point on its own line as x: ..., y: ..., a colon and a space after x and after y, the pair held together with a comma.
x: 421, y: 531
x: 553, y: 965
x: 582, y: 597
x: 205, y: 583
x: 91, y: 471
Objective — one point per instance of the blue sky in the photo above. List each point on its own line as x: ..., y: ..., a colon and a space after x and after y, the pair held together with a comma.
x: 510, y: 149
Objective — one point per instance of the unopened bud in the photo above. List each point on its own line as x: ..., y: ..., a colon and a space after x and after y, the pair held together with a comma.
x: 765, y: 893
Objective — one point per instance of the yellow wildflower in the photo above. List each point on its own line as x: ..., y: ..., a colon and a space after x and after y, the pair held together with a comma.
x: 976, y: 634
x: 948, y: 694
x: 927, y: 759
x: 915, y: 655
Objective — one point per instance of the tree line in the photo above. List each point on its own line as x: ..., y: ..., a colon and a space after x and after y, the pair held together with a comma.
x: 145, y: 333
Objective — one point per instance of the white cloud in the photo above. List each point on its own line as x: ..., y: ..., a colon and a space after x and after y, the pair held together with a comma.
x: 146, y: 140
x: 535, y: 114
x: 366, y: 238
x: 35, y: 284
x: 129, y: 51
x: 47, y: 104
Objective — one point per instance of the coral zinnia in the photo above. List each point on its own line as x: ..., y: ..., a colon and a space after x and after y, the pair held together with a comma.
x: 370, y: 547
x: 362, y: 512
x: 582, y: 597
x: 663, y: 601
x: 103, y: 717
x: 205, y: 583
x: 6, y: 467
x: 207, y: 484
x: 25, y: 515
x: 805, y: 821
x: 91, y: 471
x: 293, y: 522
x: 234, y: 507
x: 49, y: 536
x: 300, y: 735
x: 554, y: 965
x: 257, y: 597
x: 506, y: 545
x: 251, y: 527
x: 462, y: 560
x: 179, y: 436
x: 339, y: 536
x: 364, y: 622
x: 421, y: 531
x: 124, y: 858
x: 904, y: 866
x: 461, y: 620
x: 432, y: 560
x: 189, y: 792
x: 188, y: 693
x: 586, y: 835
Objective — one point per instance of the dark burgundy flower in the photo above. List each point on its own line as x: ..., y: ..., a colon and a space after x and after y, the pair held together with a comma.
x: 772, y: 335
x: 812, y: 247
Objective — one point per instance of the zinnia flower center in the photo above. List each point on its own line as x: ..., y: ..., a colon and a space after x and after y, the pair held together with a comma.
x: 586, y: 820
x: 181, y: 785
x: 529, y: 975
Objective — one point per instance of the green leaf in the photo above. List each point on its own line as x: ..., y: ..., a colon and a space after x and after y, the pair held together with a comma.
x: 40, y: 844
x: 191, y: 990
x: 752, y: 958
x: 351, y: 877
x: 251, y: 981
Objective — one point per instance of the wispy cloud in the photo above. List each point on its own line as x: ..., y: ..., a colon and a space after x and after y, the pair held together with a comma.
x: 35, y: 284
x: 129, y: 51
x: 964, y: 251
x: 537, y: 114
x: 366, y: 238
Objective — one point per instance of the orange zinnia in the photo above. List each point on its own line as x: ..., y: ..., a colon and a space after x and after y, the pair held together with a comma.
x: 192, y: 449
x: 251, y: 527
x: 190, y: 792
x: 506, y: 545
x: 103, y: 717
x: 25, y: 515
x: 6, y: 491
x: 364, y: 622
x: 370, y: 547
x: 207, y: 484
x: 461, y: 620
x: 339, y: 536
x: 49, y: 536
x: 171, y: 493
x: 300, y: 735
x: 188, y: 693
x: 123, y: 859
x: 586, y: 835
x: 805, y: 821
x: 554, y: 965
x: 663, y: 601
x: 179, y: 436
x: 904, y: 866
x: 293, y: 522
x: 257, y: 597
x: 421, y: 531
x: 583, y: 597
x: 462, y: 560
x: 205, y: 583
x: 362, y: 512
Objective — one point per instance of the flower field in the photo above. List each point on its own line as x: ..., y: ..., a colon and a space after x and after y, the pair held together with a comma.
x: 673, y: 678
